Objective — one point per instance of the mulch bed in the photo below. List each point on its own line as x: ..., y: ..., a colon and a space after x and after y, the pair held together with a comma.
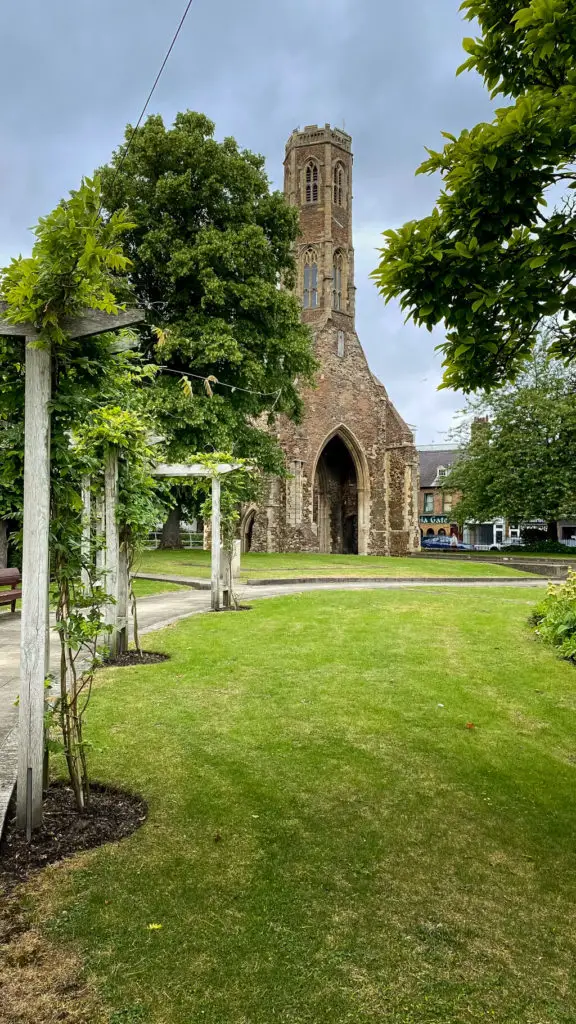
x: 133, y: 658
x: 112, y: 815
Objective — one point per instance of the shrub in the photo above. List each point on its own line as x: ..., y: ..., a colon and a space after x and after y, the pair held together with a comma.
x: 543, y: 547
x: 554, y: 619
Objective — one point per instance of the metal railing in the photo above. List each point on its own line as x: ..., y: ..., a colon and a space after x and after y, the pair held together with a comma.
x: 189, y: 540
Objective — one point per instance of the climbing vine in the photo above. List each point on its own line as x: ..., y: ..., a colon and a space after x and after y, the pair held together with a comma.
x: 77, y: 262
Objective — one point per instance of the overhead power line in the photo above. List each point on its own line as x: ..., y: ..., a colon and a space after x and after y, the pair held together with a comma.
x: 153, y: 89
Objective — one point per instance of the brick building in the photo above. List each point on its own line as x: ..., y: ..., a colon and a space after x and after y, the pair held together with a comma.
x: 434, y: 505
x: 353, y: 484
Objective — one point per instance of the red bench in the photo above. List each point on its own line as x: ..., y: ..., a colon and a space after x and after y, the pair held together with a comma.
x: 10, y: 578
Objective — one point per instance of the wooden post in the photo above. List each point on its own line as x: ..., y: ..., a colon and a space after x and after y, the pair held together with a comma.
x: 100, y: 532
x: 225, y: 579
x: 215, y: 543
x: 236, y: 551
x: 35, y: 633
x: 112, y: 554
x: 86, y: 530
x: 122, y: 606
x: 35, y: 582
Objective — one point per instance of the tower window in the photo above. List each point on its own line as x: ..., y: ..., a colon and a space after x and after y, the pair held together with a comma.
x: 337, y: 280
x: 341, y: 344
x: 338, y: 183
x: 310, y: 297
x: 312, y: 178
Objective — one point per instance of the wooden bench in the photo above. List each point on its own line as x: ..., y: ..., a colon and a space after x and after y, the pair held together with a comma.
x: 10, y: 578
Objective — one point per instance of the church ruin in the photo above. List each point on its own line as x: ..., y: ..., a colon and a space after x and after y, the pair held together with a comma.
x: 353, y: 484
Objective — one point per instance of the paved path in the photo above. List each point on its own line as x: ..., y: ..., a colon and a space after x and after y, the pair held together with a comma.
x: 160, y: 610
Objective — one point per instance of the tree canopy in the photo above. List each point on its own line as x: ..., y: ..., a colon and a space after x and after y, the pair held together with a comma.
x: 518, y: 449
x: 488, y: 262
x: 210, y: 247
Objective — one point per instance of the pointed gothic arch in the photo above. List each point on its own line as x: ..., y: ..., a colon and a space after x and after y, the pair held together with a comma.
x: 339, y: 184
x: 311, y: 182
x: 310, y: 278
x: 338, y: 279
x: 341, y: 494
x: 247, y: 528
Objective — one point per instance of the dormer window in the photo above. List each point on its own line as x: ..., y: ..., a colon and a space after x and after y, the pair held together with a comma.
x: 312, y: 180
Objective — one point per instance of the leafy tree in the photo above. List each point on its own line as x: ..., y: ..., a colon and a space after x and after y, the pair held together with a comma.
x: 518, y: 450
x: 210, y: 246
x: 488, y: 262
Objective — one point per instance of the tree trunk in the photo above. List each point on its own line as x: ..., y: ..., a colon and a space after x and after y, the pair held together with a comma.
x: 171, y: 529
x: 3, y: 544
x: 552, y: 531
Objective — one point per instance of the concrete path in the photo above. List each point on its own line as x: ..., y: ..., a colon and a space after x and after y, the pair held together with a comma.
x: 161, y: 610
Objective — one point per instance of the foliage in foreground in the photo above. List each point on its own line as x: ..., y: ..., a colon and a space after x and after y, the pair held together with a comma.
x: 555, y: 617
x: 488, y: 262
x: 329, y: 839
x: 518, y: 448
x: 76, y: 262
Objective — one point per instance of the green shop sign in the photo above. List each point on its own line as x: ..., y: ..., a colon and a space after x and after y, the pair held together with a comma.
x: 434, y: 519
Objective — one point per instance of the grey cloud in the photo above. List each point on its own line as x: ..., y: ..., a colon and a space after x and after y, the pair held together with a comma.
x: 73, y: 74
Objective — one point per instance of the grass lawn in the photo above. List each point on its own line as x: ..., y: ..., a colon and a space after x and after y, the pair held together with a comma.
x: 327, y: 840
x: 197, y: 563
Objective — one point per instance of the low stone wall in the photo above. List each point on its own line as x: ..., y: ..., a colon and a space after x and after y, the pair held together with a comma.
x: 552, y: 568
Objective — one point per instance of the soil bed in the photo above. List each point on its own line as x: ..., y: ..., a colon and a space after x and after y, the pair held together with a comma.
x: 112, y: 815
x: 133, y: 658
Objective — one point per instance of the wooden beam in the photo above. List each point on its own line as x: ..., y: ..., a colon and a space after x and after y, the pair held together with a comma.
x: 89, y: 322
x: 34, y: 631
x: 197, y: 469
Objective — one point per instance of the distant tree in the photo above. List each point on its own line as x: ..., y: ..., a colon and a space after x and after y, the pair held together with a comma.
x: 488, y: 262
x: 209, y: 251
x: 518, y: 449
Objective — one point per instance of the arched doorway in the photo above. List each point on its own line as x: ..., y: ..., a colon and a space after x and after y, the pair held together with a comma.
x: 336, y: 499
x: 247, y: 531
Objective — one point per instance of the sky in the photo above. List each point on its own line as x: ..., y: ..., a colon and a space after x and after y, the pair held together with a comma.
x: 74, y: 72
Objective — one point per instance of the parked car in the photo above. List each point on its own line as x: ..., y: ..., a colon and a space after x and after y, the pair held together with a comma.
x: 445, y: 544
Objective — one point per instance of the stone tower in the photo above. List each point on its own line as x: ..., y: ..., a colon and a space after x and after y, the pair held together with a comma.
x: 353, y: 484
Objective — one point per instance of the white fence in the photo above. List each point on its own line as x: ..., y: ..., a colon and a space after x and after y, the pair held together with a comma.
x: 189, y: 539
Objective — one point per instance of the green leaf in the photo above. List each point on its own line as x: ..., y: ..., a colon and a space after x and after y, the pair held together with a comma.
x: 491, y: 160
x: 538, y: 261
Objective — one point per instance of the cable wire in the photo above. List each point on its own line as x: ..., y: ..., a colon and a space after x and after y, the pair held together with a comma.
x: 233, y: 387
x: 152, y: 90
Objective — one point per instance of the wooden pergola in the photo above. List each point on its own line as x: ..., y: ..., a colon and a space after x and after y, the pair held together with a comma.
x: 197, y: 469
x: 35, y: 628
